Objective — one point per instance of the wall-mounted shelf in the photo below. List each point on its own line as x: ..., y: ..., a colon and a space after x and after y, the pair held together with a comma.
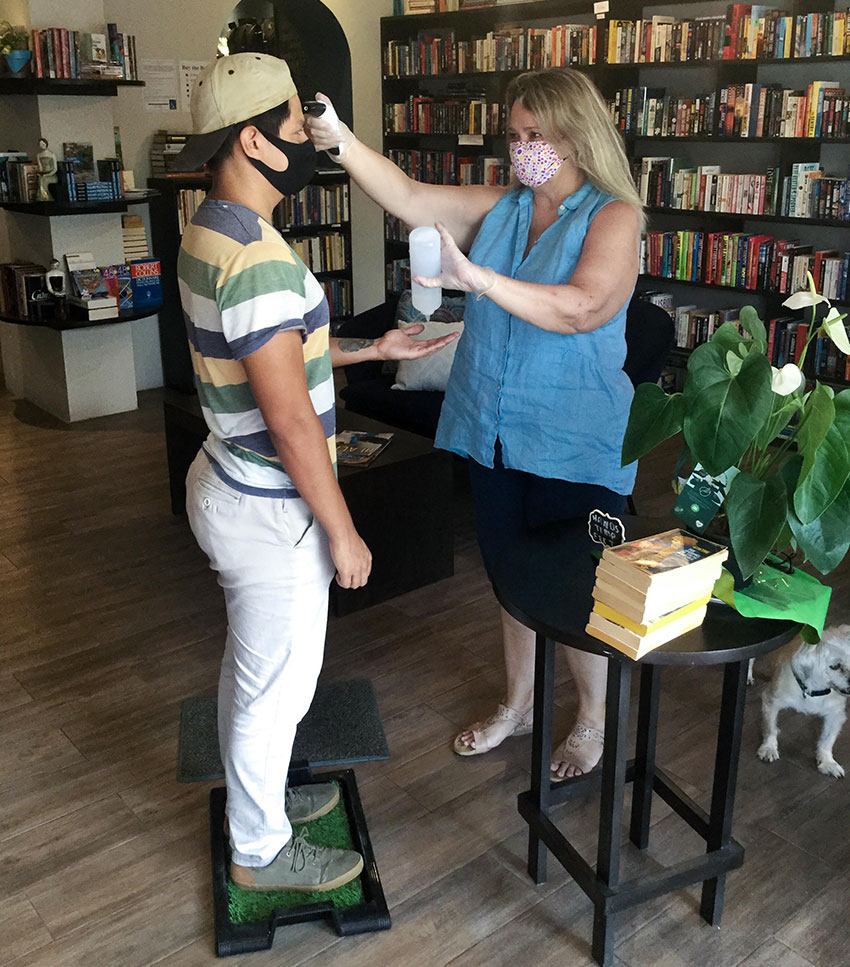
x: 77, y: 87
x: 63, y: 325
x: 740, y: 217
x: 53, y: 208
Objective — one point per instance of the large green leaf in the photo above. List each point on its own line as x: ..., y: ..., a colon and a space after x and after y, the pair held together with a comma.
x: 756, y: 510
x: 724, y: 411
x: 822, y: 477
x: 826, y: 540
x: 818, y: 416
x: 750, y: 321
x: 654, y: 416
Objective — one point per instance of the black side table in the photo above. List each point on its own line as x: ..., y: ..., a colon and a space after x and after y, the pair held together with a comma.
x: 545, y: 583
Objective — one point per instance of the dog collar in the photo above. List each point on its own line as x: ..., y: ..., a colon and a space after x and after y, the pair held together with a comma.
x: 817, y: 693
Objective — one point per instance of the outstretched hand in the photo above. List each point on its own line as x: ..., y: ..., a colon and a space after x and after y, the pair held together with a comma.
x: 456, y: 271
x: 399, y: 344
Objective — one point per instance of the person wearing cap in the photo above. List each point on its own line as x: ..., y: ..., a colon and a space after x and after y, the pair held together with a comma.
x: 262, y: 496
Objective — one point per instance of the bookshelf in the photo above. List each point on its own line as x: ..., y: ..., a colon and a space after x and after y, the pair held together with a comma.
x: 316, y: 222
x: 453, y: 47
x: 71, y: 367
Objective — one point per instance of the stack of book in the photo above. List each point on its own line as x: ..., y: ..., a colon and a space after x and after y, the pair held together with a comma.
x: 164, y: 149
x: 135, y: 237
x: 652, y: 590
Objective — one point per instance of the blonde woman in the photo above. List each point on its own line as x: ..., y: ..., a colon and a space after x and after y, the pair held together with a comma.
x: 537, y: 400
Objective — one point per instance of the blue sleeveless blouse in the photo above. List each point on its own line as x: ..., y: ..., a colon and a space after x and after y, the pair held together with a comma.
x: 558, y: 403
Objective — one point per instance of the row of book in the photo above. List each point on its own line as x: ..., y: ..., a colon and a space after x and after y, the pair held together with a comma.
x: 740, y: 260
x: 649, y: 591
x: 96, y: 292
x: 742, y: 34
x: 429, y: 115
x: 447, y: 168
x: 735, y: 111
x: 807, y: 192
x: 316, y: 205
x: 403, y: 8
x: 397, y: 275
x: 760, y: 32
x: 189, y: 200
x: 395, y: 230
x: 338, y: 294
x: 327, y: 252
x: 662, y: 40
x: 73, y: 186
x: 786, y: 337
x: 72, y: 54
x: 510, y: 48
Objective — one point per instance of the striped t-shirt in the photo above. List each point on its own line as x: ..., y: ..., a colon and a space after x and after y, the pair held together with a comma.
x: 241, y: 284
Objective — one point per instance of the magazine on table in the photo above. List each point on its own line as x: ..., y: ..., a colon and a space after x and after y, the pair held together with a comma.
x: 357, y: 448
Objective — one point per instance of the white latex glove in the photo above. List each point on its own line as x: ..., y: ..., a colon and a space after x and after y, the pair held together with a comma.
x: 456, y: 271
x: 328, y: 132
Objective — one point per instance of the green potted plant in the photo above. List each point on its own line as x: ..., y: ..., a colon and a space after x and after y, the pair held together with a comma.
x: 789, y: 442
x: 14, y: 46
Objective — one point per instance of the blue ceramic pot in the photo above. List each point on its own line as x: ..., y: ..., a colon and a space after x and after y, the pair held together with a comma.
x: 17, y: 59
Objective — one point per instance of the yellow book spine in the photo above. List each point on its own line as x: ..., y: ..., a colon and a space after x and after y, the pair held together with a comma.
x: 644, y: 629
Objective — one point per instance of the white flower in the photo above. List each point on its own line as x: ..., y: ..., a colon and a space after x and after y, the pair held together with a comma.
x: 834, y: 326
x: 804, y: 299
x: 786, y: 380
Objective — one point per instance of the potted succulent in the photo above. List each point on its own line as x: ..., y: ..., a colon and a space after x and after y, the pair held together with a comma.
x: 788, y: 441
x: 14, y: 46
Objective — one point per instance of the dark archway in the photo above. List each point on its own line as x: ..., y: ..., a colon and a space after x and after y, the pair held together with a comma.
x: 307, y: 35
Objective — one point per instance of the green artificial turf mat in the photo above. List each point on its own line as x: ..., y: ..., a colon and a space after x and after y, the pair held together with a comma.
x: 246, y: 906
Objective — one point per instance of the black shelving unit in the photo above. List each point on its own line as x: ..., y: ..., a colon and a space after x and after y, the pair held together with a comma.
x: 467, y: 24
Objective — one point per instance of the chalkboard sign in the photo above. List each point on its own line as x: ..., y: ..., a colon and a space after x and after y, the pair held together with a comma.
x: 605, y: 529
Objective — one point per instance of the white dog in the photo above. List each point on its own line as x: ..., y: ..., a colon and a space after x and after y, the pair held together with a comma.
x: 815, y: 680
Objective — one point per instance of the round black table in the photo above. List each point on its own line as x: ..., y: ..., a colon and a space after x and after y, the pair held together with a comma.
x: 544, y: 580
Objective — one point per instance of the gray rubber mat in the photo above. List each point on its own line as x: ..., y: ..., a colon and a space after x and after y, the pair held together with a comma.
x: 342, y: 726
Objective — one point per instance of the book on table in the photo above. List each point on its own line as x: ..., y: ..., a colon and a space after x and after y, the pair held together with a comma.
x: 673, y: 560
x: 636, y: 646
x: 358, y: 448
x: 650, y: 591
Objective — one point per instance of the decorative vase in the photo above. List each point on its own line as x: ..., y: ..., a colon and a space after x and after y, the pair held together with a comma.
x: 17, y: 60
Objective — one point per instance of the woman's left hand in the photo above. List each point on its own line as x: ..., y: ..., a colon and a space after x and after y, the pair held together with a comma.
x: 456, y: 271
x: 398, y: 344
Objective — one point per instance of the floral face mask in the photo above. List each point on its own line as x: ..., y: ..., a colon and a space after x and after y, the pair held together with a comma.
x: 534, y: 162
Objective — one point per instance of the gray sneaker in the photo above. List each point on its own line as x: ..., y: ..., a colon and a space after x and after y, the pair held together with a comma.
x: 301, y: 866
x: 306, y: 803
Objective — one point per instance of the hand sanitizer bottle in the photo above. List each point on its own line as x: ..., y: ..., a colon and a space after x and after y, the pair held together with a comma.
x: 425, y: 262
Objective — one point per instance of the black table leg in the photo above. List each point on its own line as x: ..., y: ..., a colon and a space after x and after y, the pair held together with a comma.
x: 541, y: 746
x: 725, y: 779
x: 647, y: 734
x: 611, y: 805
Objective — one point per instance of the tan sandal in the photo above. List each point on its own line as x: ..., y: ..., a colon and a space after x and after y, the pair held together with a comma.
x: 493, y: 731
x: 574, y: 751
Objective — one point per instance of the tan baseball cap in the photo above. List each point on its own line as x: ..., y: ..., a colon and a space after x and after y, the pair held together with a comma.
x: 230, y: 90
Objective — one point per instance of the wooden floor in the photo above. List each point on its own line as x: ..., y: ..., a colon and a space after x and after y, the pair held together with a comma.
x: 111, y: 618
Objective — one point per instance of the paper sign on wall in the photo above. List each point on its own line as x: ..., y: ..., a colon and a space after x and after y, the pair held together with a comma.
x: 161, y: 85
x: 189, y: 70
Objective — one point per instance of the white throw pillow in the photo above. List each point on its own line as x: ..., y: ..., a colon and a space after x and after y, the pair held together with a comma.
x: 428, y: 372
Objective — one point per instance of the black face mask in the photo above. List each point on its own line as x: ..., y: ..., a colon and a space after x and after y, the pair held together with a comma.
x: 302, y: 165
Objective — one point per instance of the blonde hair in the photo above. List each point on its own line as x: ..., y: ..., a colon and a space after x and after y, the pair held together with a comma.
x: 571, y: 111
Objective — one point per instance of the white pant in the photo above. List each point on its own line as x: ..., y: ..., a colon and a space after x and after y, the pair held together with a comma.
x: 274, y: 565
